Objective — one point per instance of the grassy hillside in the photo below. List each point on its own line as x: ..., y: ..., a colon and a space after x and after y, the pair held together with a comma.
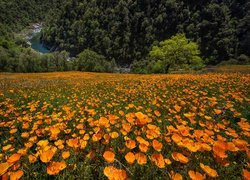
x: 96, y: 126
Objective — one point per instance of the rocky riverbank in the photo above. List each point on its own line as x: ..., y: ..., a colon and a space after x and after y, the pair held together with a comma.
x: 31, y: 35
x: 29, y: 32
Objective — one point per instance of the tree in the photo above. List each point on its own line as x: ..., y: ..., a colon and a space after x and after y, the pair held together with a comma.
x: 176, y: 52
x: 93, y: 62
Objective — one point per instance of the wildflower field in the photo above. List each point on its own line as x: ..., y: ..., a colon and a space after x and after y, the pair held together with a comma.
x: 123, y: 126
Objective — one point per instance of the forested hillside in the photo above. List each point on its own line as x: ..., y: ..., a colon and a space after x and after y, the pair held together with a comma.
x: 16, y: 14
x: 101, y: 34
x: 125, y: 30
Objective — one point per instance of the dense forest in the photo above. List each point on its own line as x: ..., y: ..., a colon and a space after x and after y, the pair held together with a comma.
x: 121, y: 32
x: 16, y: 15
x: 126, y: 29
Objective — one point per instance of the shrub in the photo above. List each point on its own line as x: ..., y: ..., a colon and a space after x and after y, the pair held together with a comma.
x: 93, y: 62
x: 139, y: 67
x: 243, y: 59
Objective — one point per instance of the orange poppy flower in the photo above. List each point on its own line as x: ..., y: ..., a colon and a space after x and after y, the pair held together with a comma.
x: 110, y: 172
x: 141, y: 158
x: 126, y: 127
x: 180, y: 157
x: 231, y: 147
x: 177, y: 176
x: 189, y: 115
x: 65, y: 154
x: 109, y: 156
x: 142, y: 141
x: 12, y: 131
x: 241, y: 144
x: 97, y: 137
x: 131, y: 144
x: 130, y: 157
x: 25, y: 135
x: 177, y: 108
x: 7, y: 147
x: 55, y: 167
x: 115, y: 174
x: 143, y: 148
x: 14, y: 158
x: 43, y: 143
x: 217, y: 111
x: 54, y: 132
x: 104, y: 122
x: 158, y: 160
x: 205, y: 147
x: 195, y: 175
x: 157, y: 145
x: 246, y: 174
x: 219, y: 149
x: 211, y: 172
x: 74, y: 143
x: 142, y: 119
x: 157, y: 113
x: 47, y: 156
x: 4, y: 167
x: 114, y: 135
x: 16, y: 175
x: 191, y: 146
x: 32, y: 158
x: 176, y: 138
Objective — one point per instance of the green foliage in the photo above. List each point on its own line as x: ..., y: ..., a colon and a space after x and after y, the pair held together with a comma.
x: 243, y: 59
x: 140, y: 67
x: 125, y: 30
x: 177, y: 52
x: 93, y: 62
x: 17, y: 59
x: 16, y: 14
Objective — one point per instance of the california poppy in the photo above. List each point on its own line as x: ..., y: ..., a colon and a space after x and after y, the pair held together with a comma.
x: 65, y: 154
x: 211, y: 172
x: 14, y: 158
x: 141, y: 158
x: 109, y: 156
x: 115, y: 174
x: 55, y: 167
x: 16, y: 175
x: 157, y: 145
x: 47, y: 156
x: 195, y: 175
x: 130, y: 157
x: 177, y: 176
x: 246, y: 174
x: 131, y: 144
x: 158, y: 160
x: 4, y: 167
x: 180, y: 157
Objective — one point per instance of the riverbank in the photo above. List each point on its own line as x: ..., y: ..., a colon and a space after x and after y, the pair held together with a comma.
x: 32, y: 35
x: 29, y: 32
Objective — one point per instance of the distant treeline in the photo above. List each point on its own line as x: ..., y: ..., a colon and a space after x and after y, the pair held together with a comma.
x: 14, y: 58
x: 126, y: 29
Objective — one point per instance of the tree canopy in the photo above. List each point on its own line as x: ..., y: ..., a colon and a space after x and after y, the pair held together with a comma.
x: 177, y: 51
x: 126, y: 29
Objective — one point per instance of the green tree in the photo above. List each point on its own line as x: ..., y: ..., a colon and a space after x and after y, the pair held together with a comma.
x: 177, y: 52
x: 93, y: 62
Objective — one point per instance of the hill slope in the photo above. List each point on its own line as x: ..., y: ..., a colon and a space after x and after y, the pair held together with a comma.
x: 125, y: 29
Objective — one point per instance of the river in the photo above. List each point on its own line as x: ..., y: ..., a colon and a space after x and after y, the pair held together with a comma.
x: 34, y: 39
